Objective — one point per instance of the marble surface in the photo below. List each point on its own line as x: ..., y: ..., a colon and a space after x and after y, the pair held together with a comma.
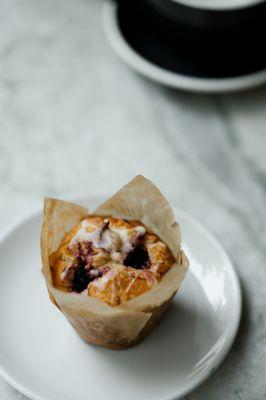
x: 74, y: 121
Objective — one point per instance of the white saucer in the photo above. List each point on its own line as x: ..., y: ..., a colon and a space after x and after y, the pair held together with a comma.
x: 165, y: 77
x: 42, y: 356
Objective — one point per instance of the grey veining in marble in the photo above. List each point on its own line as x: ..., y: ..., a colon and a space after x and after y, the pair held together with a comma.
x: 74, y: 119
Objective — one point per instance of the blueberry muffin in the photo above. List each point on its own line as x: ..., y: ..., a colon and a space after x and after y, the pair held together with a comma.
x: 113, y: 272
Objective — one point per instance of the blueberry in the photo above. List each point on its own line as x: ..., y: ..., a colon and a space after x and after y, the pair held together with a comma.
x: 81, y: 279
x: 138, y: 258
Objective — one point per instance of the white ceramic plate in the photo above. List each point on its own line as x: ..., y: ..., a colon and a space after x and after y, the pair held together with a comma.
x: 42, y: 356
x: 165, y: 77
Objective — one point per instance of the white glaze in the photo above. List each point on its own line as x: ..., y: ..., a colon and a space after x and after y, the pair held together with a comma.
x: 113, y: 240
x: 101, y: 283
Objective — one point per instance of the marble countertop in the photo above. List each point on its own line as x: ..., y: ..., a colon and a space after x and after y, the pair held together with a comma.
x: 74, y: 120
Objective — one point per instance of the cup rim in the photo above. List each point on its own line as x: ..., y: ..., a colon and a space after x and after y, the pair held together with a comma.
x: 221, y: 5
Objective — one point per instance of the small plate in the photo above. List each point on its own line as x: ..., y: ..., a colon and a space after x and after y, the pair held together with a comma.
x: 187, y: 74
x: 43, y: 357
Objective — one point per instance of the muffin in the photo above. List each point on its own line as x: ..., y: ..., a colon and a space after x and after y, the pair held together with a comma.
x: 113, y: 272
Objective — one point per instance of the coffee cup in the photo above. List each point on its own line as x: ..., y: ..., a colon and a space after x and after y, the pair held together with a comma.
x: 205, y: 38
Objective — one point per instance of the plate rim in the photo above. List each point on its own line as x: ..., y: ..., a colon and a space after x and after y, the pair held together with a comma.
x: 25, y: 390
x: 163, y: 76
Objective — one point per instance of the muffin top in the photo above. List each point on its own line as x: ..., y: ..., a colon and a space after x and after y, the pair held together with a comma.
x: 111, y: 259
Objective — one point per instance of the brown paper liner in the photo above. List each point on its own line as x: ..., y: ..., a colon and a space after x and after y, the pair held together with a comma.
x: 95, y: 321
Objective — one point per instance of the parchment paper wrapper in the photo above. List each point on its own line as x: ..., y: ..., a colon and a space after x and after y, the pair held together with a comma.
x: 95, y: 321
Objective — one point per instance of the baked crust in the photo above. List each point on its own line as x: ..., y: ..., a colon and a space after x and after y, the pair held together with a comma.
x: 107, y: 248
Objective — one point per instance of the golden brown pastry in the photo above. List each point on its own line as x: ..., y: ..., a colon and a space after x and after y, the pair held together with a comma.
x: 111, y: 259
